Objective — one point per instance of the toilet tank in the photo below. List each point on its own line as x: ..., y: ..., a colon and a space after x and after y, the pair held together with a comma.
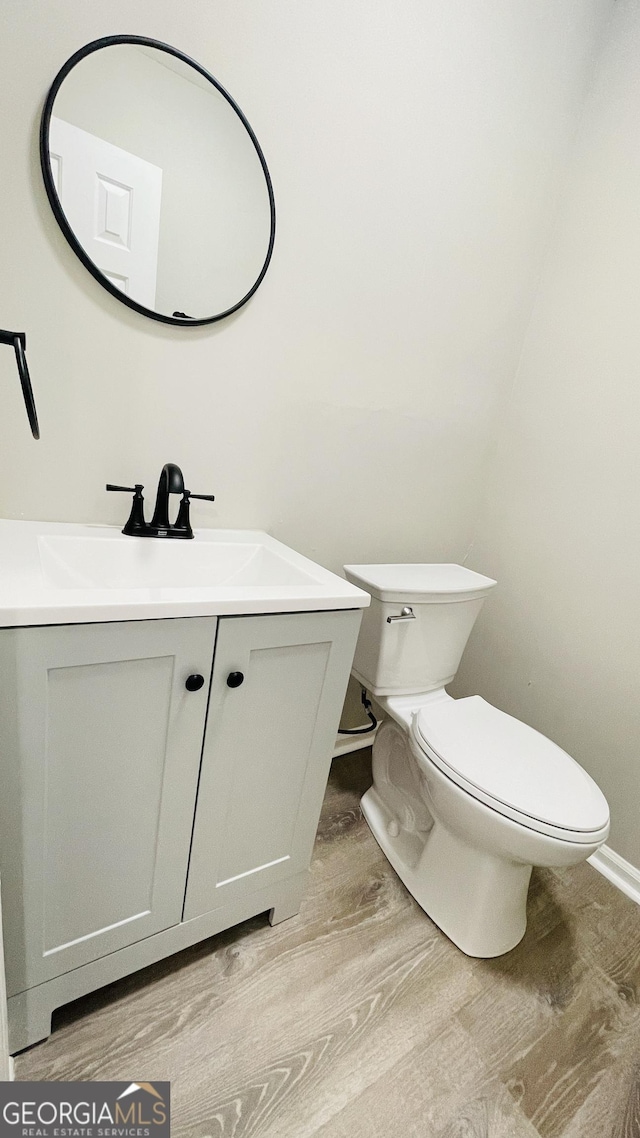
x: 423, y: 653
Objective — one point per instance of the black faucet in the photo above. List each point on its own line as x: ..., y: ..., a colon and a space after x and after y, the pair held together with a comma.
x: 171, y: 481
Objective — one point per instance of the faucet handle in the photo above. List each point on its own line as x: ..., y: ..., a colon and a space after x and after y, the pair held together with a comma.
x: 136, y: 525
x: 182, y: 527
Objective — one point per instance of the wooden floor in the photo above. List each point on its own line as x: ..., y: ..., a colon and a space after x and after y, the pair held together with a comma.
x: 358, y: 1019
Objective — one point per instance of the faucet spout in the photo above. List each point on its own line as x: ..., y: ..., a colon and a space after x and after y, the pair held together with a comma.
x: 170, y: 482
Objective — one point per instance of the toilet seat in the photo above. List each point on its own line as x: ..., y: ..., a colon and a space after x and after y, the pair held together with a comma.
x: 511, y: 768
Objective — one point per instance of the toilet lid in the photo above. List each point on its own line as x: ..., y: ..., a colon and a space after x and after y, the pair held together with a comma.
x: 508, y: 764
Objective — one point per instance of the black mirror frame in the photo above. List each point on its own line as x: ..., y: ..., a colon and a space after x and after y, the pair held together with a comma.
x: 54, y: 201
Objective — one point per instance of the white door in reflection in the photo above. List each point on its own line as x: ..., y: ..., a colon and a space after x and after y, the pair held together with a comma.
x: 111, y: 199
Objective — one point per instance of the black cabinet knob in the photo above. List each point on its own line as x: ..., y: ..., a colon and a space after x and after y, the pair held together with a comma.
x: 234, y: 679
x: 194, y: 683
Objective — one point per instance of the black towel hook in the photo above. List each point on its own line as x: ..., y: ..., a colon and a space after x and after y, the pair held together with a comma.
x: 19, y: 342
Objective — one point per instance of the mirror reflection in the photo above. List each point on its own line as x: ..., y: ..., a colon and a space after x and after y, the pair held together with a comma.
x: 157, y: 180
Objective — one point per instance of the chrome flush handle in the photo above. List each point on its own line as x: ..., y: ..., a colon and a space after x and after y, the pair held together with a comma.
x: 407, y: 613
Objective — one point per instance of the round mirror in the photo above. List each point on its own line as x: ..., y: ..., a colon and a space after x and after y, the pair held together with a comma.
x: 157, y: 180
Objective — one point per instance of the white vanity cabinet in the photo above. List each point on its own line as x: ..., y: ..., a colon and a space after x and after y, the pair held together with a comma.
x: 137, y: 816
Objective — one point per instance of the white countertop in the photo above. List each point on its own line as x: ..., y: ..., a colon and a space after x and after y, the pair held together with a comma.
x: 69, y: 573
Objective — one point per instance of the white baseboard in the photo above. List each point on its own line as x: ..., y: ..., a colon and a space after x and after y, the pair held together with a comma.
x: 621, y: 873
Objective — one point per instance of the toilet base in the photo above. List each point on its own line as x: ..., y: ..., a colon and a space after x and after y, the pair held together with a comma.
x: 477, y: 899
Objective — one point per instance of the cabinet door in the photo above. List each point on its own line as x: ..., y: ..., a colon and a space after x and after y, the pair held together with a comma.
x: 268, y: 747
x: 101, y: 750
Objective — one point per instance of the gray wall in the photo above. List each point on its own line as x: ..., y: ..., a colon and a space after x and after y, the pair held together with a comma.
x: 558, y: 644
x: 416, y: 151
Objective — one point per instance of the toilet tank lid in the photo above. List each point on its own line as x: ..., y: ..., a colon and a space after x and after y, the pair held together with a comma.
x: 428, y: 583
x: 483, y: 748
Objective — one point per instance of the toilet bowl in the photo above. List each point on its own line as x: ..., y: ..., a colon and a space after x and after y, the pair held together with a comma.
x: 465, y: 798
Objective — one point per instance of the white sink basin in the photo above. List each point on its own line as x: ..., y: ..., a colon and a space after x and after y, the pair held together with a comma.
x: 61, y: 573
x: 148, y: 563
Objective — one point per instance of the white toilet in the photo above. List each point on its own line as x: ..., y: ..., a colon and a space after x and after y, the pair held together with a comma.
x: 465, y: 799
